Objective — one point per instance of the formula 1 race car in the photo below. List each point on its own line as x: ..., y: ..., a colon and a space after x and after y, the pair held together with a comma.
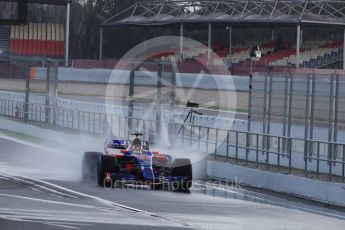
x: 132, y: 162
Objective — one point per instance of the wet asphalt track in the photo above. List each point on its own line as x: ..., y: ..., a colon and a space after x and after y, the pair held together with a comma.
x: 41, y: 189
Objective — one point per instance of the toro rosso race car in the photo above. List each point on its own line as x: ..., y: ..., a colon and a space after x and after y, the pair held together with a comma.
x: 132, y: 162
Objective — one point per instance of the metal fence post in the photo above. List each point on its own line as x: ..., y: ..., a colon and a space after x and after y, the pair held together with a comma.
x: 343, y: 165
x: 47, y: 92
x: 216, y: 145
x: 207, y: 137
x: 199, y: 137
x: 227, y: 144
x: 257, y: 150
x: 247, y: 152
x: 55, y: 88
x: 267, y: 153
x: 94, y: 122
x: 27, y: 91
x: 331, y: 163
x: 318, y: 160
x: 290, y: 154
x: 72, y: 119
x: 88, y: 121
x: 306, y: 145
x: 278, y: 159
x: 191, y: 136
x: 236, y: 158
x: 79, y: 126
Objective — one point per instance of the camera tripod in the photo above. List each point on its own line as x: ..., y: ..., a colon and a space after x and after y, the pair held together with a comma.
x: 190, y: 116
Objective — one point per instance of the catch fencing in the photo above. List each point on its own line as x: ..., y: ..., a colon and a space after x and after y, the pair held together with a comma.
x: 305, y: 99
x: 312, y: 158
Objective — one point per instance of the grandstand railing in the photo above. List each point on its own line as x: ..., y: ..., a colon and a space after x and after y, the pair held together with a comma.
x: 311, y: 158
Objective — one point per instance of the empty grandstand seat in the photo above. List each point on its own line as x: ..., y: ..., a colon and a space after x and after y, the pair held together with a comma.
x: 37, y: 39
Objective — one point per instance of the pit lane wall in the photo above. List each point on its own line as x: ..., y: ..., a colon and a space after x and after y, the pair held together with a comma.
x: 325, y: 192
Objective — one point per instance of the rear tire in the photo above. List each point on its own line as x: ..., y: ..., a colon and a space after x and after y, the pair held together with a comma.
x: 182, y: 167
x: 106, y: 164
x: 89, y: 165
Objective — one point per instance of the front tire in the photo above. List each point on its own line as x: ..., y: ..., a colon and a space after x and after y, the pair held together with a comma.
x: 182, y: 167
x: 89, y: 165
x: 106, y: 164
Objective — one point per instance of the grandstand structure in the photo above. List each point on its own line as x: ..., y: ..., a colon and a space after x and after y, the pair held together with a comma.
x: 37, y: 39
x: 294, y: 47
x: 21, y: 38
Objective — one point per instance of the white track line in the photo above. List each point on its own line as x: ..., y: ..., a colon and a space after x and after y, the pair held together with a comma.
x: 54, y: 192
x: 101, y: 200
x: 60, y: 225
x: 50, y: 201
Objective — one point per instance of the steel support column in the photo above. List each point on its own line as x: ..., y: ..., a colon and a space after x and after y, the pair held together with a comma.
x: 335, y: 112
x: 159, y: 102
x: 331, y: 120
x: 291, y: 84
x: 306, y: 126
x: 68, y: 13
x: 331, y: 109
x: 173, y: 87
x: 264, y: 112
x: 344, y: 50
x: 269, y: 105
x: 181, y: 37
x: 249, y: 118
x: 298, y: 44
x: 312, y: 108
x: 101, y: 43
x: 336, y: 108
x: 209, y: 43
x: 230, y: 46
x: 285, y: 112
x: 131, y: 97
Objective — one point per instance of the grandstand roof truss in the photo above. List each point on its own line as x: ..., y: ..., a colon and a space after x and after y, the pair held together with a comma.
x: 232, y: 11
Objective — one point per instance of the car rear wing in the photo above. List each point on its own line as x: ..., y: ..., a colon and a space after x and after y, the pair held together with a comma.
x: 118, y: 144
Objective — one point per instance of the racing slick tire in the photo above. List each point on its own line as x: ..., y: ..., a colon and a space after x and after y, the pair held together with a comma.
x: 182, y: 167
x: 89, y: 165
x: 106, y: 164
